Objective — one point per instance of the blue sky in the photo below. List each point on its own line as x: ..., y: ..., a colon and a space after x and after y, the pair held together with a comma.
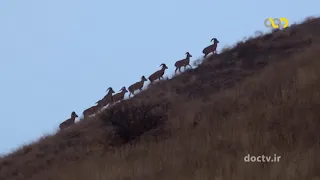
x: 60, y: 56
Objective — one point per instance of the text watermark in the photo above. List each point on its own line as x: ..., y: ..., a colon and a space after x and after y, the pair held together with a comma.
x: 262, y: 158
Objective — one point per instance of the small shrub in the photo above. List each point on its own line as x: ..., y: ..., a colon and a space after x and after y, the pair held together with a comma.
x: 309, y: 18
x: 225, y: 49
x: 258, y: 33
x: 132, y: 120
x: 198, y: 62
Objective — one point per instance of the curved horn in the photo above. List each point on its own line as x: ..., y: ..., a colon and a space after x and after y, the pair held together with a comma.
x: 213, y: 39
x: 187, y: 53
x: 109, y: 89
x: 162, y: 64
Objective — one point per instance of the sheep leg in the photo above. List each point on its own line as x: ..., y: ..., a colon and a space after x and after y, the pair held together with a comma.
x: 176, y: 70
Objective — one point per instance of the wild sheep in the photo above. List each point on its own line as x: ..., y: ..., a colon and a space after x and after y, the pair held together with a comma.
x: 119, y: 96
x: 69, y: 121
x: 99, y: 104
x: 91, y: 110
x: 183, y: 63
x: 107, y: 98
x: 136, y: 86
x: 211, y: 48
x: 158, y: 74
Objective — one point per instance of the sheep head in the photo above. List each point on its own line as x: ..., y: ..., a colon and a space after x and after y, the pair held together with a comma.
x: 123, y: 89
x: 188, y: 54
x: 164, y: 66
x: 143, y: 78
x: 215, y: 40
x: 110, y: 89
x: 74, y: 115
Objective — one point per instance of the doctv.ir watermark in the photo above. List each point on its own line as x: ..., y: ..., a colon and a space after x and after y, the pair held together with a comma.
x: 262, y: 158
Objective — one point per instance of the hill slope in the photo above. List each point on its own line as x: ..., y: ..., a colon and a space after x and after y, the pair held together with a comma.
x: 261, y: 97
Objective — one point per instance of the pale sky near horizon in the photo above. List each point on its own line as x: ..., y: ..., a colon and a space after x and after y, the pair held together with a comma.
x: 60, y: 56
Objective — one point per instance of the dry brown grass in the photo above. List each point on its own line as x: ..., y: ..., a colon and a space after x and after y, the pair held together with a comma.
x: 201, y: 124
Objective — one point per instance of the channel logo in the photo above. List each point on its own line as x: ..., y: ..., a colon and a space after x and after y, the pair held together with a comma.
x: 276, y: 23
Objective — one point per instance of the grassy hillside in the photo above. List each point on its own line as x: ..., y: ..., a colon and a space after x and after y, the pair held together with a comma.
x: 260, y: 97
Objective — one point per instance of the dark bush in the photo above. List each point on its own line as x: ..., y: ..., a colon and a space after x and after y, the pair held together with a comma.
x: 132, y: 120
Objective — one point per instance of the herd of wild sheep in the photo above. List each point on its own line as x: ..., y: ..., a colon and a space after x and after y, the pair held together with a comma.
x: 109, y: 99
